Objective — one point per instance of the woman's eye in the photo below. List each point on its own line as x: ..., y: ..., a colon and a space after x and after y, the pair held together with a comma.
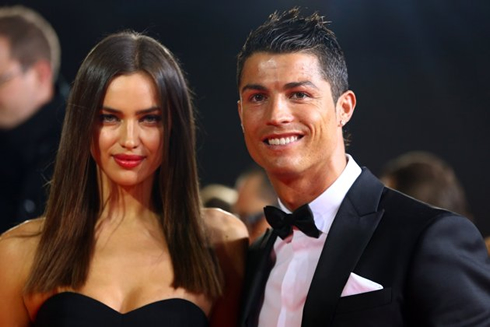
x: 108, y: 118
x: 151, y: 119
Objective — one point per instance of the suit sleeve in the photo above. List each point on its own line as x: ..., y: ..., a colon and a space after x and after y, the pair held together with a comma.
x: 449, y: 280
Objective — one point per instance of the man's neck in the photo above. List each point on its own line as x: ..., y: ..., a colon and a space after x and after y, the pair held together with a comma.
x: 298, y: 189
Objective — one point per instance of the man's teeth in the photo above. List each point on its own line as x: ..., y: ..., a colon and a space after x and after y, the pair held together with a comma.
x: 283, y: 140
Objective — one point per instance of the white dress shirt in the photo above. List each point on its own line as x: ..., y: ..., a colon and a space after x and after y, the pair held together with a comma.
x: 297, y: 256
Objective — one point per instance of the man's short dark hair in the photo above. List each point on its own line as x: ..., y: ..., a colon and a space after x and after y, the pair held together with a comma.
x: 289, y: 32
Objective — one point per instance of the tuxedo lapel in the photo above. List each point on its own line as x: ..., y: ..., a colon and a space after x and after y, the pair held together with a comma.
x: 259, y: 266
x: 351, y: 231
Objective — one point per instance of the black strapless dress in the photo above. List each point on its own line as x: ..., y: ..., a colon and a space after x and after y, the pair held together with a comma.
x: 70, y: 309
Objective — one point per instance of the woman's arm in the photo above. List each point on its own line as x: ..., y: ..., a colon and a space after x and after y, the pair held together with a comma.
x: 230, y: 239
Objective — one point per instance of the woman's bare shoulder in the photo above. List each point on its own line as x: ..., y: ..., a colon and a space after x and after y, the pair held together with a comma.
x: 17, y: 250
x: 229, y: 237
x: 222, y: 226
x: 21, y: 240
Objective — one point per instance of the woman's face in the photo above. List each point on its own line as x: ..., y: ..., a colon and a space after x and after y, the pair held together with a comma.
x: 128, y: 135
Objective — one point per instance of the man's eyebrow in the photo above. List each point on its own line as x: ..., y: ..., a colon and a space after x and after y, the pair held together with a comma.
x: 139, y: 112
x: 301, y: 83
x: 256, y: 87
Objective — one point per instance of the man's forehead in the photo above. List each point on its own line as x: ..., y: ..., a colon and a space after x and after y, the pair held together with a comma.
x: 275, y: 60
x: 264, y: 67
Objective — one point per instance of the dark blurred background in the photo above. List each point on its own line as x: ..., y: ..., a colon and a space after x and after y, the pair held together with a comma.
x: 420, y: 69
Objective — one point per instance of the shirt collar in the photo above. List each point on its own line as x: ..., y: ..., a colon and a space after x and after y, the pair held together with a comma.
x: 326, y: 205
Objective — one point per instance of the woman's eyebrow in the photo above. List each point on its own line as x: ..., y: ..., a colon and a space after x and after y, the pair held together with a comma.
x: 139, y: 112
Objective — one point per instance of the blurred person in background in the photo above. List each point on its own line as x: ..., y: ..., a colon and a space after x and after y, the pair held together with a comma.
x: 32, y: 100
x: 427, y: 178
x: 254, y: 193
x: 218, y: 196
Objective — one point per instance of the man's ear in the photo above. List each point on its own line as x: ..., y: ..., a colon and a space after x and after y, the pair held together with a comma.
x: 345, y: 107
x: 43, y: 71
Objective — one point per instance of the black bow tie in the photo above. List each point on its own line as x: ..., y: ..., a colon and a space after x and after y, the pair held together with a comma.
x: 283, y: 223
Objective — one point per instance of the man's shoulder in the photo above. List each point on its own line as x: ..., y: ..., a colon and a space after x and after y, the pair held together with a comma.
x: 395, y: 201
x: 408, y: 213
x: 368, y: 193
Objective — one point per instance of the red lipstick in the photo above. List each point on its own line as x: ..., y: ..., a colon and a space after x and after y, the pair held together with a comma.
x: 128, y: 161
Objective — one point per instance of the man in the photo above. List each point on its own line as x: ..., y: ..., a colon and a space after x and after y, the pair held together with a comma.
x: 373, y: 257
x: 218, y: 196
x: 426, y: 177
x: 31, y: 112
x: 254, y: 193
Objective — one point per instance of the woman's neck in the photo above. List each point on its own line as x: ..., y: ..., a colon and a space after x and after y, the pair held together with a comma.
x: 133, y: 202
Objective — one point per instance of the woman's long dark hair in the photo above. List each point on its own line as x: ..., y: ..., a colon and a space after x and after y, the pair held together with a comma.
x: 67, y: 240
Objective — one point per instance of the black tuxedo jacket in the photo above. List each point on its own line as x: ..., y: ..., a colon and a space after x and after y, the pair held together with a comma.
x: 433, y: 265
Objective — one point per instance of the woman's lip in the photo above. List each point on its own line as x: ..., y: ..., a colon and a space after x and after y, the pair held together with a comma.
x: 127, y: 160
x: 128, y: 157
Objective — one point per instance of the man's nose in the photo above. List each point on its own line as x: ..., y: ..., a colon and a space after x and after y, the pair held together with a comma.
x: 279, y: 111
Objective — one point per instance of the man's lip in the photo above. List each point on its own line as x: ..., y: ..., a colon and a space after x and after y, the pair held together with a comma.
x: 298, y: 136
x: 280, y: 135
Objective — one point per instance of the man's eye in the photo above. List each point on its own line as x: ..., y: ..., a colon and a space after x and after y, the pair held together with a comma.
x: 257, y: 97
x: 299, y: 95
x: 108, y: 118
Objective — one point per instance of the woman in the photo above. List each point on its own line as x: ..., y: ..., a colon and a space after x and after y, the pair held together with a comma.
x: 124, y: 240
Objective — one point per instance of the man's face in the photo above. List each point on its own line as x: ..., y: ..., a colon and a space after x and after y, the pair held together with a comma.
x: 290, y: 122
x: 17, y: 87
